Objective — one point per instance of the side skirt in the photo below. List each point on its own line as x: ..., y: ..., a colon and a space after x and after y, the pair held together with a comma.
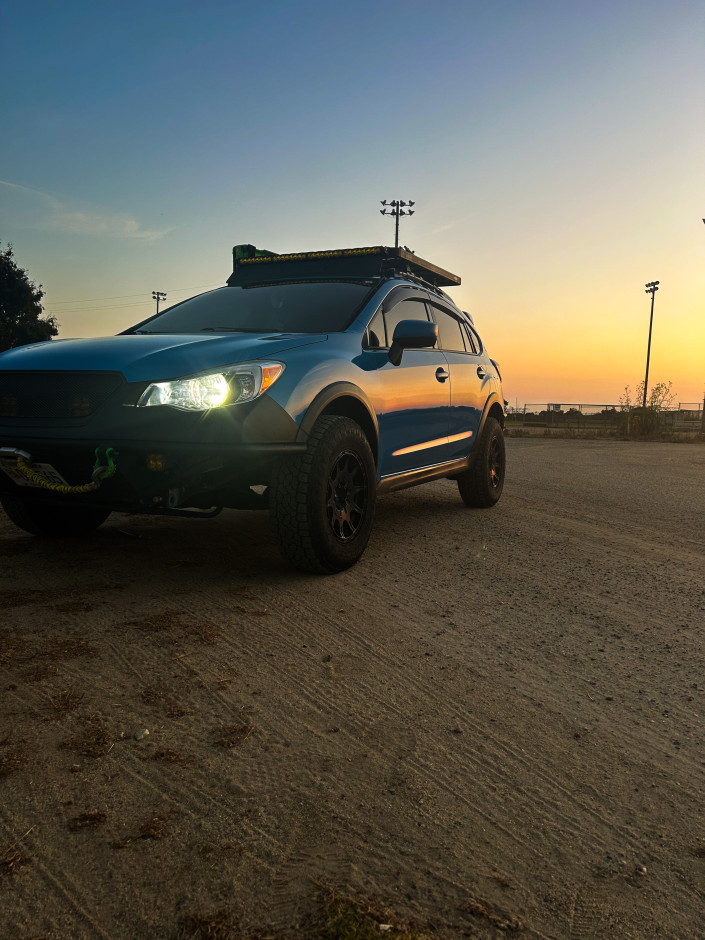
x: 401, y: 481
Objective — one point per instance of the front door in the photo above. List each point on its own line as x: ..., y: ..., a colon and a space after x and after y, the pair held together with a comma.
x: 411, y: 400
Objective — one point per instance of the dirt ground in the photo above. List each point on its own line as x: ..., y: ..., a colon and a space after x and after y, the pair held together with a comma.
x: 492, y: 726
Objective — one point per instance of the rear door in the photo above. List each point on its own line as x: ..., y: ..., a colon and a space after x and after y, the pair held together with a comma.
x: 470, y: 383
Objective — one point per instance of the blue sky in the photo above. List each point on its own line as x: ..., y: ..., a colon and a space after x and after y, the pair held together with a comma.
x: 554, y: 150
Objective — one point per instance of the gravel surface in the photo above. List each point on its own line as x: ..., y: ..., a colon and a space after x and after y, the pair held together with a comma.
x: 492, y: 725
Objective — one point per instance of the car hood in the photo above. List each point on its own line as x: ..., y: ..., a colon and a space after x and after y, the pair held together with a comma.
x: 153, y: 358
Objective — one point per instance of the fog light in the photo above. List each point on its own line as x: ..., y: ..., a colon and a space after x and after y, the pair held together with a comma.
x: 155, y: 461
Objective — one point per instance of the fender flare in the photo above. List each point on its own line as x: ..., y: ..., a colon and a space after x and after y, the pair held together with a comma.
x: 328, y: 395
x: 494, y: 399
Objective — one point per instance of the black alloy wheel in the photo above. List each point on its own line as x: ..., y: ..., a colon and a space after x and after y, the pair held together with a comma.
x: 496, y: 463
x: 322, y: 503
x: 346, y: 496
x: 481, y: 484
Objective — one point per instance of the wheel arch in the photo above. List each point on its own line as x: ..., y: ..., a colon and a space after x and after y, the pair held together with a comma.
x: 493, y: 409
x: 496, y: 411
x: 346, y: 400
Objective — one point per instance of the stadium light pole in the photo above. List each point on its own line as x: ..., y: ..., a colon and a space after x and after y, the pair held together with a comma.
x: 396, y: 208
x: 651, y: 288
x: 158, y: 295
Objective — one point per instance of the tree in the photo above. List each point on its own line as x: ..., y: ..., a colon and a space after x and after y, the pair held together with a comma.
x: 645, y: 421
x: 661, y: 397
x: 20, y: 306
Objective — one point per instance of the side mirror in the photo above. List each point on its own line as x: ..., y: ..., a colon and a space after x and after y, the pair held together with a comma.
x: 412, y: 334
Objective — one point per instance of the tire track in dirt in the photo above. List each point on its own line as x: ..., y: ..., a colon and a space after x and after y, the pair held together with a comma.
x: 552, y: 809
x: 56, y: 879
x: 370, y: 695
x: 357, y: 685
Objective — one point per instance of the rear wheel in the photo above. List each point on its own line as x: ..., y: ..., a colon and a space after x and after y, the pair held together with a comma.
x: 47, y: 519
x: 322, y: 502
x: 481, y: 485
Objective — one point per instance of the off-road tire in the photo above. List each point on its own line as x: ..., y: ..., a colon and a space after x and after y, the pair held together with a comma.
x: 481, y: 485
x: 322, y: 502
x: 50, y: 520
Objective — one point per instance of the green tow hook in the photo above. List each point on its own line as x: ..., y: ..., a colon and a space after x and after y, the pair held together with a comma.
x: 102, y: 471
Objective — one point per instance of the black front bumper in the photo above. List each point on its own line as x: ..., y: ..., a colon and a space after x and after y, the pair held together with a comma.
x: 165, y: 459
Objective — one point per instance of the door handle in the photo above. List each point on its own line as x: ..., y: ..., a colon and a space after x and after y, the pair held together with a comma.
x: 481, y: 372
x: 442, y: 374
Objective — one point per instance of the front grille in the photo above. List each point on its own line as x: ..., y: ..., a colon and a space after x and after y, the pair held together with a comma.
x: 55, y: 394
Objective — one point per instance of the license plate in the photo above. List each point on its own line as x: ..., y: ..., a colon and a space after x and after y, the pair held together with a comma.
x: 45, y: 471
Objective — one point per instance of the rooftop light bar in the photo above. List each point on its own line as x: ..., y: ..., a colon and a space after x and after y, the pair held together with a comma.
x: 252, y: 265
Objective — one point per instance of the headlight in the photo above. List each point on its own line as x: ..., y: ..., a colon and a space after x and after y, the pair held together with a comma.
x: 230, y: 386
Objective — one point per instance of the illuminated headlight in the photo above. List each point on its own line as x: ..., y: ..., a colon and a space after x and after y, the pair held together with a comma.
x: 231, y: 386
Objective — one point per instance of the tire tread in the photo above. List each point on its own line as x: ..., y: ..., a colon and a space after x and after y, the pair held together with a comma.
x: 290, y: 491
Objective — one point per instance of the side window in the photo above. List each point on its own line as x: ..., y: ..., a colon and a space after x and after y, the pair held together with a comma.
x: 476, y: 337
x: 404, y: 310
x: 450, y: 336
x: 470, y: 339
x: 374, y: 336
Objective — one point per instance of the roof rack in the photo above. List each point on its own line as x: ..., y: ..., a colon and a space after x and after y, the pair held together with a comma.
x: 256, y: 266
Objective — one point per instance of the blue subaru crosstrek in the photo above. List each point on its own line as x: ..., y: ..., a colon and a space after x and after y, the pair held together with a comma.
x: 308, y: 385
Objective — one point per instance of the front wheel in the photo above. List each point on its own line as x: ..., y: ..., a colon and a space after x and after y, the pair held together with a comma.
x: 482, y: 483
x: 49, y: 519
x: 322, y: 502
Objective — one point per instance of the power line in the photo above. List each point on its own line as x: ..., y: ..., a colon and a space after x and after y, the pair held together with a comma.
x: 90, y: 300
x: 143, y: 303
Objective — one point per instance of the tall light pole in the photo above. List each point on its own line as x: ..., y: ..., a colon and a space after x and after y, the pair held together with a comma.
x: 158, y: 295
x: 396, y: 208
x: 651, y: 288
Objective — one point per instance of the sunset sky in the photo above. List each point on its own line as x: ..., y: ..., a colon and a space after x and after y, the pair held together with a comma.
x: 555, y: 151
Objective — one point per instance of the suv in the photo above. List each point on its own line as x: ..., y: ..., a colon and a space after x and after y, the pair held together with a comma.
x: 308, y: 385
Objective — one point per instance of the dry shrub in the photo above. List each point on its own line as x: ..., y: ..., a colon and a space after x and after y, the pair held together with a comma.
x: 74, y: 607
x: 15, y: 649
x: 232, y: 735
x: 218, y: 925
x: 90, y: 820
x: 66, y: 701
x: 176, y: 711
x: 40, y: 671
x: 157, y: 623
x: 203, y: 632
x: 25, y: 598
x: 152, y: 695
x: 12, y: 762
x: 502, y: 921
x: 67, y: 647
x: 346, y: 918
x: 166, y: 755
x: 91, y: 739
x: 252, y: 612
x: 12, y: 860
x: 156, y: 827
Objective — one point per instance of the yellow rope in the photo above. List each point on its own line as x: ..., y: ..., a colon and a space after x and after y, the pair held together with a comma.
x: 35, y: 477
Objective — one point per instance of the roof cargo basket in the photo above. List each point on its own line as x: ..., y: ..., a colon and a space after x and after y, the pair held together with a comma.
x: 255, y: 266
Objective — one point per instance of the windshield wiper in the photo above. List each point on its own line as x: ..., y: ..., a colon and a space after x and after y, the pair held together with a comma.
x: 235, y: 329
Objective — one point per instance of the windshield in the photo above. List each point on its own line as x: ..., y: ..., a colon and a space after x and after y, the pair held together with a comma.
x: 294, y: 307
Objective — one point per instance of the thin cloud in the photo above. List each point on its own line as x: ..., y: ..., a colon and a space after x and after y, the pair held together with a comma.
x: 96, y: 223
x: 72, y: 221
x: 443, y: 228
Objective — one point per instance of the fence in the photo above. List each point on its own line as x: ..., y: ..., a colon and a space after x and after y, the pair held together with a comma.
x: 688, y: 416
